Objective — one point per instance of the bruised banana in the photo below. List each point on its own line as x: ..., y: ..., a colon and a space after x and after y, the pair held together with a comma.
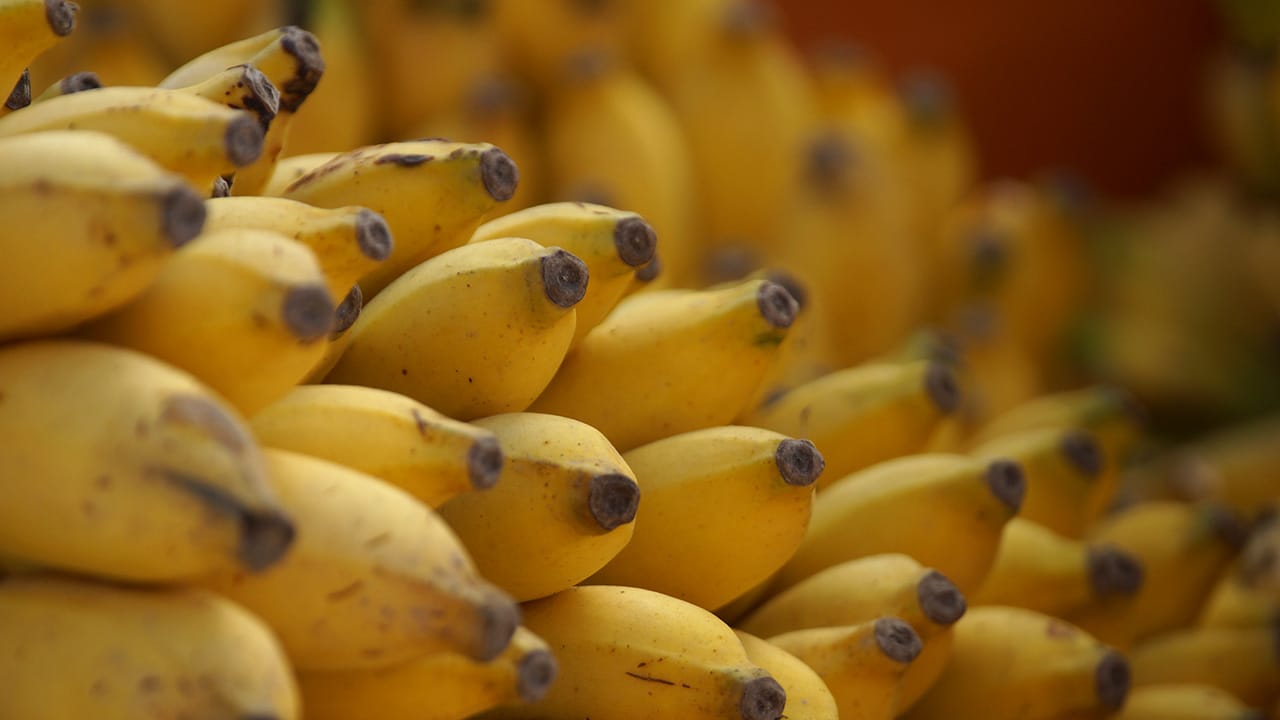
x: 1242, y: 661
x: 631, y: 654
x: 808, y: 697
x: 476, y: 331
x: 563, y: 508
x: 135, y: 471
x: 244, y: 310
x: 388, y: 436
x: 27, y: 29
x: 375, y: 578
x: 106, y: 218
x: 78, y: 649
x: 671, y: 361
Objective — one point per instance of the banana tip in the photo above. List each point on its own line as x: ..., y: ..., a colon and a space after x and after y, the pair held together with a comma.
x: 799, y: 462
x: 649, y: 271
x: 564, y: 277
x: 939, y: 598
x: 243, y: 140
x: 1111, y: 680
x: 1007, y: 482
x: 499, y: 174
x: 635, y: 240
x: 182, y: 215
x: 260, y: 97
x: 265, y: 537
x: 762, y: 699
x: 792, y: 284
x: 308, y: 312
x: 534, y: 675
x: 484, y: 463
x: 303, y: 47
x: 61, y: 16
x: 20, y: 97
x: 613, y: 500
x: 776, y: 305
x: 221, y: 187
x: 1082, y: 452
x: 79, y: 82
x: 347, y: 312
x: 499, y: 618
x: 1113, y: 571
x: 373, y: 235
x: 943, y: 388
x: 897, y: 640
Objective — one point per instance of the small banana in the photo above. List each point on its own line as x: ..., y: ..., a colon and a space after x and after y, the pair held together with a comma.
x: 1185, y: 701
x: 808, y: 697
x: 77, y: 649
x: 388, y: 436
x: 563, y: 508
x: 375, y: 578
x: 27, y: 29
x: 1248, y: 594
x: 1242, y: 661
x: 73, y: 83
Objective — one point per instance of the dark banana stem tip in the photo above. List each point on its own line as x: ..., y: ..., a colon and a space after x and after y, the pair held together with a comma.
x: 1007, y: 482
x: 265, y: 537
x: 897, y: 640
x: 484, y: 463
x: 649, y: 271
x: 260, y: 97
x: 499, y: 618
x: 1083, y: 452
x: 373, y: 235
x: 941, y: 601
x: 564, y: 277
x: 182, y: 215
x: 534, y: 674
x: 303, y: 47
x: 762, y: 699
x: 347, y: 312
x: 1112, y: 571
x: 942, y: 386
x: 79, y: 82
x: 499, y: 174
x: 613, y: 500
x: 634, y: 240
x: 21, y: 95
x: 61, y: 16
x: 243, y: 140
x: 1111, y: 680
x: 799, y: 462
x: 308, y: 312
x: 776, y: 305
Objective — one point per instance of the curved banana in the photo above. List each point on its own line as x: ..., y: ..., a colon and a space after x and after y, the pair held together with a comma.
x: 77, y: 649
x: 946, y: 511
x: 1238, y: 467
x: 375, y: 578
x: 442, y: 686
x: 612, y: 243
x: 348, y: 242
x: 388, y: 436
x: 27, y: 29
x: 432, y: 193
x: 862, y: 664
x: 671, y: 361
x: 341, y: 113
x: 105, y: 217
x: 1185, y: 701
x: 563, y: 508
x: 149, y: 476
x: 724, y: 508
x: 502, y: 324
x: 627, y: 654
x: 244, y: 310
x: 808, y: 697
x: 1242, y: 661
x: 866, y: 414
x: 73, y: 83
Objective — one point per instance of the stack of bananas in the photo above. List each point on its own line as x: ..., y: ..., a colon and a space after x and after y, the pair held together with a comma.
x: 690, y: 379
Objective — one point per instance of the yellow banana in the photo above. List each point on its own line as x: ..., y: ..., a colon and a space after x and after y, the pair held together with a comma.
x: 244, y: 310
x: 74, y: 83
x: 19, y: 96
x: 147, y: 477
x: 76, y: 649
x: 946, y: 511
x: 862, y: 664
x: 106, y: 219
x: 611, y: 242
x: 290, y: 169
x: 627, y: 653
x: 724, y: 508
x: 375, y: 578
x: 1248, y: 594
x: 563, y: 508
x: 866, y: 414
x: 433, y: 194
x: 1185, y: 701
x: 241, y: 87
x: 808, y: 697
x: 442, y: 686
x: 1242, y: 661
x: 671, y: 361
x: 386, y: 435
x: 996, y: 372
x: 27, y: 29
x: 1238, y: 467
x: 1010, y: 663
x: 348, y: 242
x: 341, y: 112
x: 502, y: 324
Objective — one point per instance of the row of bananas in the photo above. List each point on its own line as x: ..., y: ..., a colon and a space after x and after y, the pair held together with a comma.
x: 624, y: 408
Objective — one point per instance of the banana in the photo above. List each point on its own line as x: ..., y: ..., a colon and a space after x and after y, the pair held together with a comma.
x: 504, y: 323
x: 77, y: 649
x: 388, y: 436
x: 132, y: 469
x: 612, y: 243
x: 996, y: 371
x: 1041, y: 570
x: 348, y: 242
x: 105, y: 217
x: 240, y: 52
x: 442, y: 686
x: 1185, y: 701
x: 863, y: 415
x: 375, y: 578
x: 19, y: 96
x: 1062, y: 468
x: 1238, y: 467
x: 862, y: 664
x: 946, y: 511
x: 183, y: 32
x: 341, y: 113
x: 724, y: 508
x: 433, y: 194
x: 672, y: 361
x: 344, y: 318
x: 808, y: 697
x: 241, y: 87
x: 1009, y: 663
x: 244, y: 310
x: 563, y: 508
x: 545, y: 37
x: 1242, y: 661
x: 1248, y: 594
x: 290, y: 169
x: 628, y: 653
x: 27, y: 29
x: 73, y: 83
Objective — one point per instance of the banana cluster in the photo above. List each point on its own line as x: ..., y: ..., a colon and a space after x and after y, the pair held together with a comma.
x: 689, y: 378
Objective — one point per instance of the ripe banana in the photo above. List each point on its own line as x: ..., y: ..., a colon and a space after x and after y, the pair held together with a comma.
x: 724, y: 508
x: 1185, y: 701
x: 388, y: 436
x: 671, y: 361
x: 92, y: 223
x: 442, y: 686
x: 476, y: 331
x: 612, y: 243
x: 73, y: 83
x: 1238, y: 467
x: 1242, y: 661
x: 1248, y: 594
x: 866, y: 414
x: 375, y: 578
x: 241, y: 87
x: 1010, y: 663
x: 77, y: 649
x: 433, y: 194
x: 27, y: 29
x: 128, y: 469
x: 863, y: 665
x: 808, y: 697
x: 627, y: 654
x: 946, y: 511
x: 348, y: 242
x: 290, y: 169
x: 244, y: 310
x: 564, y: 506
